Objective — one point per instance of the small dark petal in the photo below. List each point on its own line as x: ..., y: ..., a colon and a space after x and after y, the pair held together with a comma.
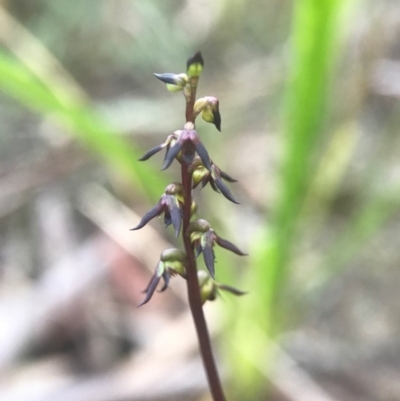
x: 196, y: 58
x: 167, y: 218
x: 205, y: 181
x: 227, y: 177
x: 232, y: 290
x: 225, y: 191
x: 188, y: 152
x: 176, y: 217
x: 217, y: 119
x: 171, y: 154
x: 166, y: 154
x: 197, y: 250
x: 167, y: 78
x: 149, y: 216
x: 174, y: 213
x: 166, y: 277
x: 195, y: 185
x: 150, y: 289
x: 223, y: 243
x: 208, y: 256
x: 212, y: 183
x: 203, y: 154
x: 151, y: 152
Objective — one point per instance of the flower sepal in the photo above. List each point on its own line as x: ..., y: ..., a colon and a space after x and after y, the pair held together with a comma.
x: 170, y: 203
x: 203, y: 239
x: 209, y: 108
x: 172, y: 262
x: 209, y: 289
x: 213, y: 176
x: 174, y: 82
x: 168, y: 143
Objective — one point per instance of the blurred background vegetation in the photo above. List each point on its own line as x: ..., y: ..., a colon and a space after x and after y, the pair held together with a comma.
x: 308, y: 94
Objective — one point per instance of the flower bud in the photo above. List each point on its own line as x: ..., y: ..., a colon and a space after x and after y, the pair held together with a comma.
x: 195, y: 65
x: 176, y: 189
x: 211, y: 112
x: 209, y: 288
x: 174, y: 82
x: 175, y: 260
x: 197, y: 228
x: 193, y: 208
x: 199, y: 174
x: 199, y: 105
x: 208, y: 291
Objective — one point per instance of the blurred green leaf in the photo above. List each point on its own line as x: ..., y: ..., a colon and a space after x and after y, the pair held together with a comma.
x: 81, y: 121
x: 315, y: 45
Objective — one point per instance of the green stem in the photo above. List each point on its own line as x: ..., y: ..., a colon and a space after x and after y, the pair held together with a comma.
x: 190, y: 100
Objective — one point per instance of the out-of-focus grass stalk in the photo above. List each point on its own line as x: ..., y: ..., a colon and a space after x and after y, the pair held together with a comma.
x: 80, y: 120
x: 39, y: 81
x: 316, y: 38
x: 328, y: 176
x: 364, y: 225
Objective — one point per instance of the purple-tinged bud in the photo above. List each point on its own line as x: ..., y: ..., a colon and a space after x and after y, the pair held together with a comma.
x: 211, y: 112
x: 195, y: 65
x: 174, y: 82
x: 209, y: 108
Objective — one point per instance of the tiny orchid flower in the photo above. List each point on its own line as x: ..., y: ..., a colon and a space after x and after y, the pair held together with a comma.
x: 188, y: 142
x: 203, y: 238
x: 172, y: 262
x: 209, y: 288
x: 170, y: 141
x: 209, y: 108
x: 174, y: 82
x: 213, y: 176
x: 170, y: 204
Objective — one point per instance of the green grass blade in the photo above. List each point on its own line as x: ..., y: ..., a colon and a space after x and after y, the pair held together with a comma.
x: 83, y: 122
x: 315, y: 45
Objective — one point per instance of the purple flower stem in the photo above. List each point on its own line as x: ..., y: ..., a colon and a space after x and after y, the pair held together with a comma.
x: 191, y: 268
